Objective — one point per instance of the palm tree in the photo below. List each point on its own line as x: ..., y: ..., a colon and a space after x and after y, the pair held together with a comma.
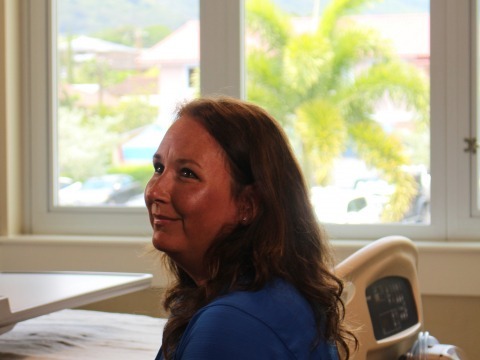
x: 323, y: 86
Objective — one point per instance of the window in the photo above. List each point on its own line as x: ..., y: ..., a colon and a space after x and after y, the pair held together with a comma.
x: 350, y: 83
x: 117, y: 81
x: 225, y: 63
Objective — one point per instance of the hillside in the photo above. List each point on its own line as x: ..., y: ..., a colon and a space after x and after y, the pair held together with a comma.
x: 97, y: 15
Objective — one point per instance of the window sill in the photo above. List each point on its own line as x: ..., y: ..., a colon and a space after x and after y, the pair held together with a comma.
x: 442, y: 265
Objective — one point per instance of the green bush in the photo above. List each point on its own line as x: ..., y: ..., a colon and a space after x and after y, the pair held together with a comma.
x: 142, y: 173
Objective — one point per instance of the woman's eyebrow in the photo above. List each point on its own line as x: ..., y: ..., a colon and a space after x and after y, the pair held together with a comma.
x: 184, y: 161
x: 181, y: 161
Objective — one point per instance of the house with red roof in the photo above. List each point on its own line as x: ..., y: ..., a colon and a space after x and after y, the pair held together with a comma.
x: 178, y: 55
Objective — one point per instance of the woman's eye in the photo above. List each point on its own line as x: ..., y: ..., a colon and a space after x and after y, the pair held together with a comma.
x: 158, y: 168
x: 185, y: 172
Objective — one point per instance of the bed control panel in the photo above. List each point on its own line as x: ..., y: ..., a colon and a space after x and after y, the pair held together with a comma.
x: 391, y: 305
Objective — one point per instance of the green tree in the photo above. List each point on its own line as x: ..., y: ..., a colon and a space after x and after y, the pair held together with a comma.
x: 85, y: 143
x: 323, y: 85
x: 133, y: 113
x: 98, y: 71
x: 134, y: 36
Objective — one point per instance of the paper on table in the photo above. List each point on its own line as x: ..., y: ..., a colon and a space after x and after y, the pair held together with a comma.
x: 84, y: 334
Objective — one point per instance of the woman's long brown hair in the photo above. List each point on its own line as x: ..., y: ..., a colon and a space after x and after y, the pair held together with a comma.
x: 283, y: 240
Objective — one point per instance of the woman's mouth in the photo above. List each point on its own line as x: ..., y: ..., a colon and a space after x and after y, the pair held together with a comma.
x: 162, y: 220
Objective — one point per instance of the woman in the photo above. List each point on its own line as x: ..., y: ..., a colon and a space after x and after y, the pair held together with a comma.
x: 229, y: 207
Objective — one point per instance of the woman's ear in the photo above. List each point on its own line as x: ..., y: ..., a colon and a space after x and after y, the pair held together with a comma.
x: 249, y: 204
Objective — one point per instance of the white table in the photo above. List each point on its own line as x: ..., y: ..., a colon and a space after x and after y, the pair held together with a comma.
x: 27, y: 295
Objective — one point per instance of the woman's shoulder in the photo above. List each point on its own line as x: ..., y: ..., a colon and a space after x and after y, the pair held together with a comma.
x: 276, y: 315
x: 276, y: 301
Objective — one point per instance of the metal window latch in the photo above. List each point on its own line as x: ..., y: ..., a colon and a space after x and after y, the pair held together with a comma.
x: 472, y: 145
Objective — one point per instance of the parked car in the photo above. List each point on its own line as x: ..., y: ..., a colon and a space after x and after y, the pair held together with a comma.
x: 376, y: 192
x: 364, y: 202
x: 64, y: 182
x: 112, y: 189
x: 419, y: 211
x: 68, y: 191
x: 136, y: 201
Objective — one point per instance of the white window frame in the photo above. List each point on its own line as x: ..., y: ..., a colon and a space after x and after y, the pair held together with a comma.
x: 221, y: 65
x: 475, y: 120
x: 462, y: 222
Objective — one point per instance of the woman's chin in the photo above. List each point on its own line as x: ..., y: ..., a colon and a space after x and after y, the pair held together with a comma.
x: 159, y: 242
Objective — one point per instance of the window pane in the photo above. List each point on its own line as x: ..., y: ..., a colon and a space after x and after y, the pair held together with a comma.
x: 121, y: 68
x: 350, y: 85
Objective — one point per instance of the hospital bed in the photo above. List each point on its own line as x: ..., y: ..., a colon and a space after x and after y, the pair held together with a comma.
x: 383, y: 306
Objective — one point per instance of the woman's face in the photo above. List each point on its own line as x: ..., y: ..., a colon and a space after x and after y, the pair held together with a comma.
x: 189, y: 197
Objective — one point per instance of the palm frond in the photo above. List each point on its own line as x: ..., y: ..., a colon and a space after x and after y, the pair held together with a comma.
x: 338, y: 9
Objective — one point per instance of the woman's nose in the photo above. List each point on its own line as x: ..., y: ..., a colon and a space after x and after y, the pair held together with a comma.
x: 159, y: 188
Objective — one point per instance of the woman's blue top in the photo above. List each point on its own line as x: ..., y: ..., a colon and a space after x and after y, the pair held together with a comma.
x: 275, y: 322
